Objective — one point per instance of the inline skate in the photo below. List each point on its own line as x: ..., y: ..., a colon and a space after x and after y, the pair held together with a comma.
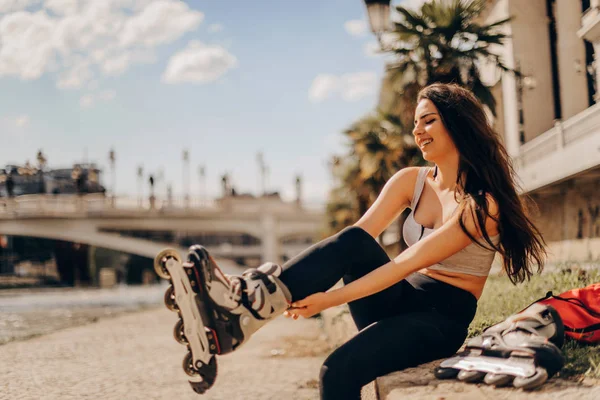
x: 523, y: 350
x: 217, y: 312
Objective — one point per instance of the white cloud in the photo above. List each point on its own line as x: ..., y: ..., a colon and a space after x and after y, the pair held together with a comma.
x: 76, y: 76
x: 62, y: 7
x: 21, y: 121
x: 356, y: 27
x: 135, y: 5
x: 107, y: 95
x: 16, y: 5
x: 322, y: 87
x: 199, y: 63
x: 214, y: 28
x: 89, y: 99
x: 93, y: 85
x: 26, y: 51
x: 160, y: 22
x: 350, y: 87
x: 81, y: 40
x: 118, y: 64
x: 372, y: 49
x: 86, y: 101
x: 356, y: 86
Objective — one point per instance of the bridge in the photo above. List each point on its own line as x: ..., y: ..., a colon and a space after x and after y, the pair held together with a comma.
x: 277, y: 229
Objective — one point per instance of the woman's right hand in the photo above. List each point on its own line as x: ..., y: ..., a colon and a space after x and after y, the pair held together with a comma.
x: 289, y: 313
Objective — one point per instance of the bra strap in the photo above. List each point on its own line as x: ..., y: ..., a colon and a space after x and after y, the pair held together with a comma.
x: 419, y: 185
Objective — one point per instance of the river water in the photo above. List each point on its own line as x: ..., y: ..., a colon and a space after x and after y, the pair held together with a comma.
x: 26, y: 313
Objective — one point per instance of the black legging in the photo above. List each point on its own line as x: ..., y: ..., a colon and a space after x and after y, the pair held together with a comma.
x: 417, y: 320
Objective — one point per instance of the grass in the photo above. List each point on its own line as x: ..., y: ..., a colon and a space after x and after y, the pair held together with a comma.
x: 501, y: 299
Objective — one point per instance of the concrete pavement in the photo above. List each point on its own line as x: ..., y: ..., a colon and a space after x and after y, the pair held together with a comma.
x: 135, y: 357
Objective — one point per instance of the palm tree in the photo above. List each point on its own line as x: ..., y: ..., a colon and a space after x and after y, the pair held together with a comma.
x: 442, y: 42
x: 378, y: 148
x: 381, y: 147
x: 341, y: 208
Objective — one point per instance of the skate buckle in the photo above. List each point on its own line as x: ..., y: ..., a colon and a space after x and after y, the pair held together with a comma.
x: 213, y: 340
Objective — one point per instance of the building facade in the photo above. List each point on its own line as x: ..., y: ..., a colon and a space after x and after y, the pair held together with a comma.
x: 83, y: 178
x: 549, y: 118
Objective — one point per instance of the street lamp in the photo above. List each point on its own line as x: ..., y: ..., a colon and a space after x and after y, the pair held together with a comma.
x: 152, y: 199
x: 298, y: 189
x: 262, y: 168
x: 41, y: 159
x: 202, y: 175
x: 523, y: 82
x: 151, y: 182
x: 379, y: 16
x: 112, y: 158
x: 186, y: 177
x: 140, y: 175
x: 160, y: 179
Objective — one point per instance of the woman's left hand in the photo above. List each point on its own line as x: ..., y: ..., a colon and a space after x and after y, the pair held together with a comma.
x: 309, y: 306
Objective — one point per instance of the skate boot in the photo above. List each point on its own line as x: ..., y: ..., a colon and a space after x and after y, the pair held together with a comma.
x: 523, y: 350
x: 218, y: 312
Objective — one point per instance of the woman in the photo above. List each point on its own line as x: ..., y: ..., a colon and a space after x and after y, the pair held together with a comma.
x: 417, y: 307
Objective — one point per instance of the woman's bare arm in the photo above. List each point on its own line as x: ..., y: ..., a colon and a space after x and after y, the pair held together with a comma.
x: 393, y: 199
x: 439, y: 245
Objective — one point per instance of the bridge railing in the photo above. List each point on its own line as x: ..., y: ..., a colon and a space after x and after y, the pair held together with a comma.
x: 56, y: 205
x: 48, y: 205
x: 141, y: 204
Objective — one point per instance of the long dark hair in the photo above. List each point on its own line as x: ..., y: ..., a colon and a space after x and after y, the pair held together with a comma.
x: 485, y: 167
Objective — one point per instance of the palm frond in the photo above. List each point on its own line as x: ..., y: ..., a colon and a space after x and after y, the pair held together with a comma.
x: 499, y: 23
x: 410, y: 18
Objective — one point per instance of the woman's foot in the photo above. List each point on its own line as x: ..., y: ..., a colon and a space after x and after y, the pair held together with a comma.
x: 218, y: 312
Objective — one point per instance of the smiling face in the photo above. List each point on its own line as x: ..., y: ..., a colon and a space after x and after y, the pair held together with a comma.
x: 431, y: 135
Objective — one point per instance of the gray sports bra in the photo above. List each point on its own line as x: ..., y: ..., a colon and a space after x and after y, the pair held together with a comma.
x: 472, y: 260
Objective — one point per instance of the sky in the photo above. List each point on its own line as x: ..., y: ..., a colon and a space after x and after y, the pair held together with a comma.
x: 223, y: 80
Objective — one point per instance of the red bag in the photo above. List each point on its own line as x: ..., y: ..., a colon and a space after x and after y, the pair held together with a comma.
x: 580, y: 311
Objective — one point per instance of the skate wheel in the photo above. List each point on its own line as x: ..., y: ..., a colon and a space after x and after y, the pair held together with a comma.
x: 470, y: 376
x: 531, y: 382
x: 170, y: 299
x: 178, y: 333
x: 498, y: 380
x: 445, y: 373
x: 160, y: 262
x: 208, y: 373
x: 199, y: 387
x: 188, y: 365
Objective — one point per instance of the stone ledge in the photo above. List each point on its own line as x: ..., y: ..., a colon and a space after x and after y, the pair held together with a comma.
x: 420, y: 383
